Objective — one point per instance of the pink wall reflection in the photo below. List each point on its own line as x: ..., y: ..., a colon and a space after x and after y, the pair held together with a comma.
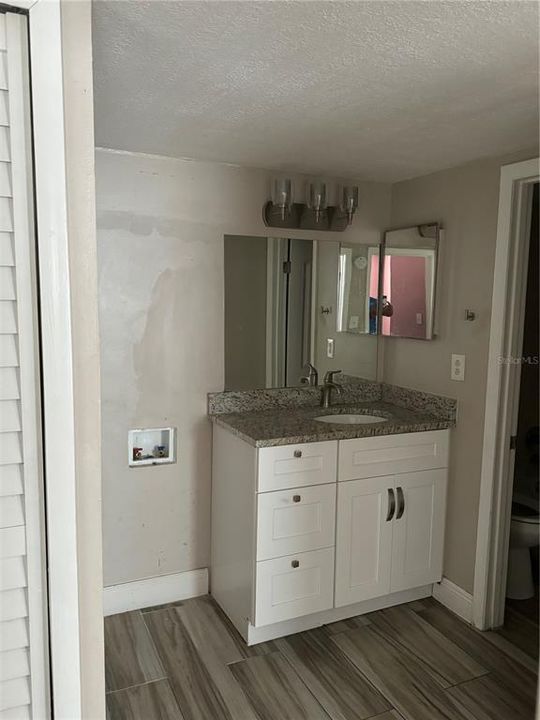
x: 405, y: 288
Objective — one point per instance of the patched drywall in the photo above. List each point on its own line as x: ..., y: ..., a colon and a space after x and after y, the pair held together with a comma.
x: 374, y: 90
x: 465, y: 200
x: 161, y: 224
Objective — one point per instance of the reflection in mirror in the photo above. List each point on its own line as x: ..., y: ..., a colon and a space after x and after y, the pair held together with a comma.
x: 281, y: 309
x: 409, y: 282
x: 358, y: 287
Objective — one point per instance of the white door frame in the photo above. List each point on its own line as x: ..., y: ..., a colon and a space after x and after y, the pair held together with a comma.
x: 60, y: 61
x: 502, y: 391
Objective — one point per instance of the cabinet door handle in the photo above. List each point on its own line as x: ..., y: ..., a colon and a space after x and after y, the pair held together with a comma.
x: 295, y: 563
x: 296, y: 498
x: 391, y: 505
x: 297, y: 453
x: 401, y: 503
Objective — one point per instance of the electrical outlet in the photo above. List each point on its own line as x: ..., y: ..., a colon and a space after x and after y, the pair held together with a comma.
x: 353, y: 322
x: 457, y: 371
x: 330, y: 348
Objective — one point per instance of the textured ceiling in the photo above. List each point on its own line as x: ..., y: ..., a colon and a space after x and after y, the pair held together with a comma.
x: 370, y: 89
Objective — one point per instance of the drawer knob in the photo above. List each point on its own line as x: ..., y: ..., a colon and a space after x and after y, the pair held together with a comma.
x: 296, y: 498
x: 297, y: 453
x: 295, y: 563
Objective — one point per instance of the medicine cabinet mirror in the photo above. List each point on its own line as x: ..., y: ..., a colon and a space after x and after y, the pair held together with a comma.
x: 291, y: 302
x: 409, y: 281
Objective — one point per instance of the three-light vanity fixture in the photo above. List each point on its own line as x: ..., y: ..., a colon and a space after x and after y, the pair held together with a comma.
x: 314, y: 213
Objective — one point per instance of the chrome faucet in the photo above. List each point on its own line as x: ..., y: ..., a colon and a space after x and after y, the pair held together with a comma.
x: 327, y: 387
x: 312, y: 378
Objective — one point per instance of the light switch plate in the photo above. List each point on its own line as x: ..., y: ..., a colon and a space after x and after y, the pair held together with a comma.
x: 330, y: 347
x: 457, y: 371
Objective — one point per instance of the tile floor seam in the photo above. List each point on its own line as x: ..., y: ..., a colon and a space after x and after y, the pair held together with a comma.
x: 469, y: 680
x: 163, y: 664
x: 129, y: 687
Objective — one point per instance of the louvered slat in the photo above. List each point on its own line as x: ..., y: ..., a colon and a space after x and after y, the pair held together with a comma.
x: 14, y: 664
x: 10, y: 416
x: 11, y: 510
x: 12, y: 542
x: 15, y: 693
x: 10, y: 481
x: 6, y: 249
x: 5, y: 156
x: 9, y: 357
x: 13, y: 635
x: 7, y: 283
x: 10, y: 448
x: 4, y: 108
x: 9, y: 384
x: 19, y: 713
x: 3, y: 71
x: 5, y: 170
x: 14, y: 604
x: 8, y: 318
x: 12, y: 573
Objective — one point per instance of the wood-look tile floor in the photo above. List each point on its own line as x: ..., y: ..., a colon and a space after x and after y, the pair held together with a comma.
x: 185, y: 661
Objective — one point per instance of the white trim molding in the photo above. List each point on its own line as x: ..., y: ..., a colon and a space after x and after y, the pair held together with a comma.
x: 154, y: 591
x: 61, y: 74
x: 454, y: 598
x: 502, y: 389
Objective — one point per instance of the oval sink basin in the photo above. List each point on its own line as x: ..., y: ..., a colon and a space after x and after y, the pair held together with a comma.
x: 351, y: 419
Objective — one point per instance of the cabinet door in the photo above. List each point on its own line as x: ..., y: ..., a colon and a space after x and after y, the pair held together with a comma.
x: 363, y: 540
x: 417, y: 548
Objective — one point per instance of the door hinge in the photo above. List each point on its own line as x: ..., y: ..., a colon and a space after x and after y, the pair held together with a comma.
x: 513, y: 442
x: 287, y: 267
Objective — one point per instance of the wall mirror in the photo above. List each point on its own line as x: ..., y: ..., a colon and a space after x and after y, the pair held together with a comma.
x: 358, y: 287
x: 291, y: 302
x: 409, y: 280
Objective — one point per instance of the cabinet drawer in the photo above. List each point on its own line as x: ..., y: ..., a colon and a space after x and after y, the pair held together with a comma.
x: 291, y: 466
x: 392, y: 454
x: 292, y: 521
x: 293, y: 586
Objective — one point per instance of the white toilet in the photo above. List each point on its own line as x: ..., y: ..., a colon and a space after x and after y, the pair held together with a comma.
x: 524, y: 534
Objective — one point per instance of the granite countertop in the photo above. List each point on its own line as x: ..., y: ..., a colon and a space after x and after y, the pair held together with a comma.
x: 286, y: 426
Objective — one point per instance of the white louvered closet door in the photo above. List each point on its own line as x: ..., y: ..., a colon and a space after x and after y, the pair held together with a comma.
x: 24, y: 678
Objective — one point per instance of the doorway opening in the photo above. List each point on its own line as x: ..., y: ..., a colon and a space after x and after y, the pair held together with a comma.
x: 522, y: 597
x: 508, y: 498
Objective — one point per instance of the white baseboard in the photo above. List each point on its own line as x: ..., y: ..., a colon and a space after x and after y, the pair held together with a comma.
x: 454, y: 598
x: 154, y: 591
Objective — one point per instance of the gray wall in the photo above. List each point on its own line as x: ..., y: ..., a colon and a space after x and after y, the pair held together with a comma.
x: 245, y: 312
x: 465, y: 199
x: 161, y: 224
x: 161, y: 323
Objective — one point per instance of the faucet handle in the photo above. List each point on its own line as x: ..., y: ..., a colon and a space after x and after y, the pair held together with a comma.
x: 329, y: 377
x: 312, y: 378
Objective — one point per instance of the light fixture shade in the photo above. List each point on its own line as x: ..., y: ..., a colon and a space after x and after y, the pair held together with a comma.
x: 348, y: 200
x: 282, y: 194
x: 316, y: 197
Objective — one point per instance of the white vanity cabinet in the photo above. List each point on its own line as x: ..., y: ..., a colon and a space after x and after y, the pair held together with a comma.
x: 390, y: 523
x: 307, y: 534
x: 390, y: 534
